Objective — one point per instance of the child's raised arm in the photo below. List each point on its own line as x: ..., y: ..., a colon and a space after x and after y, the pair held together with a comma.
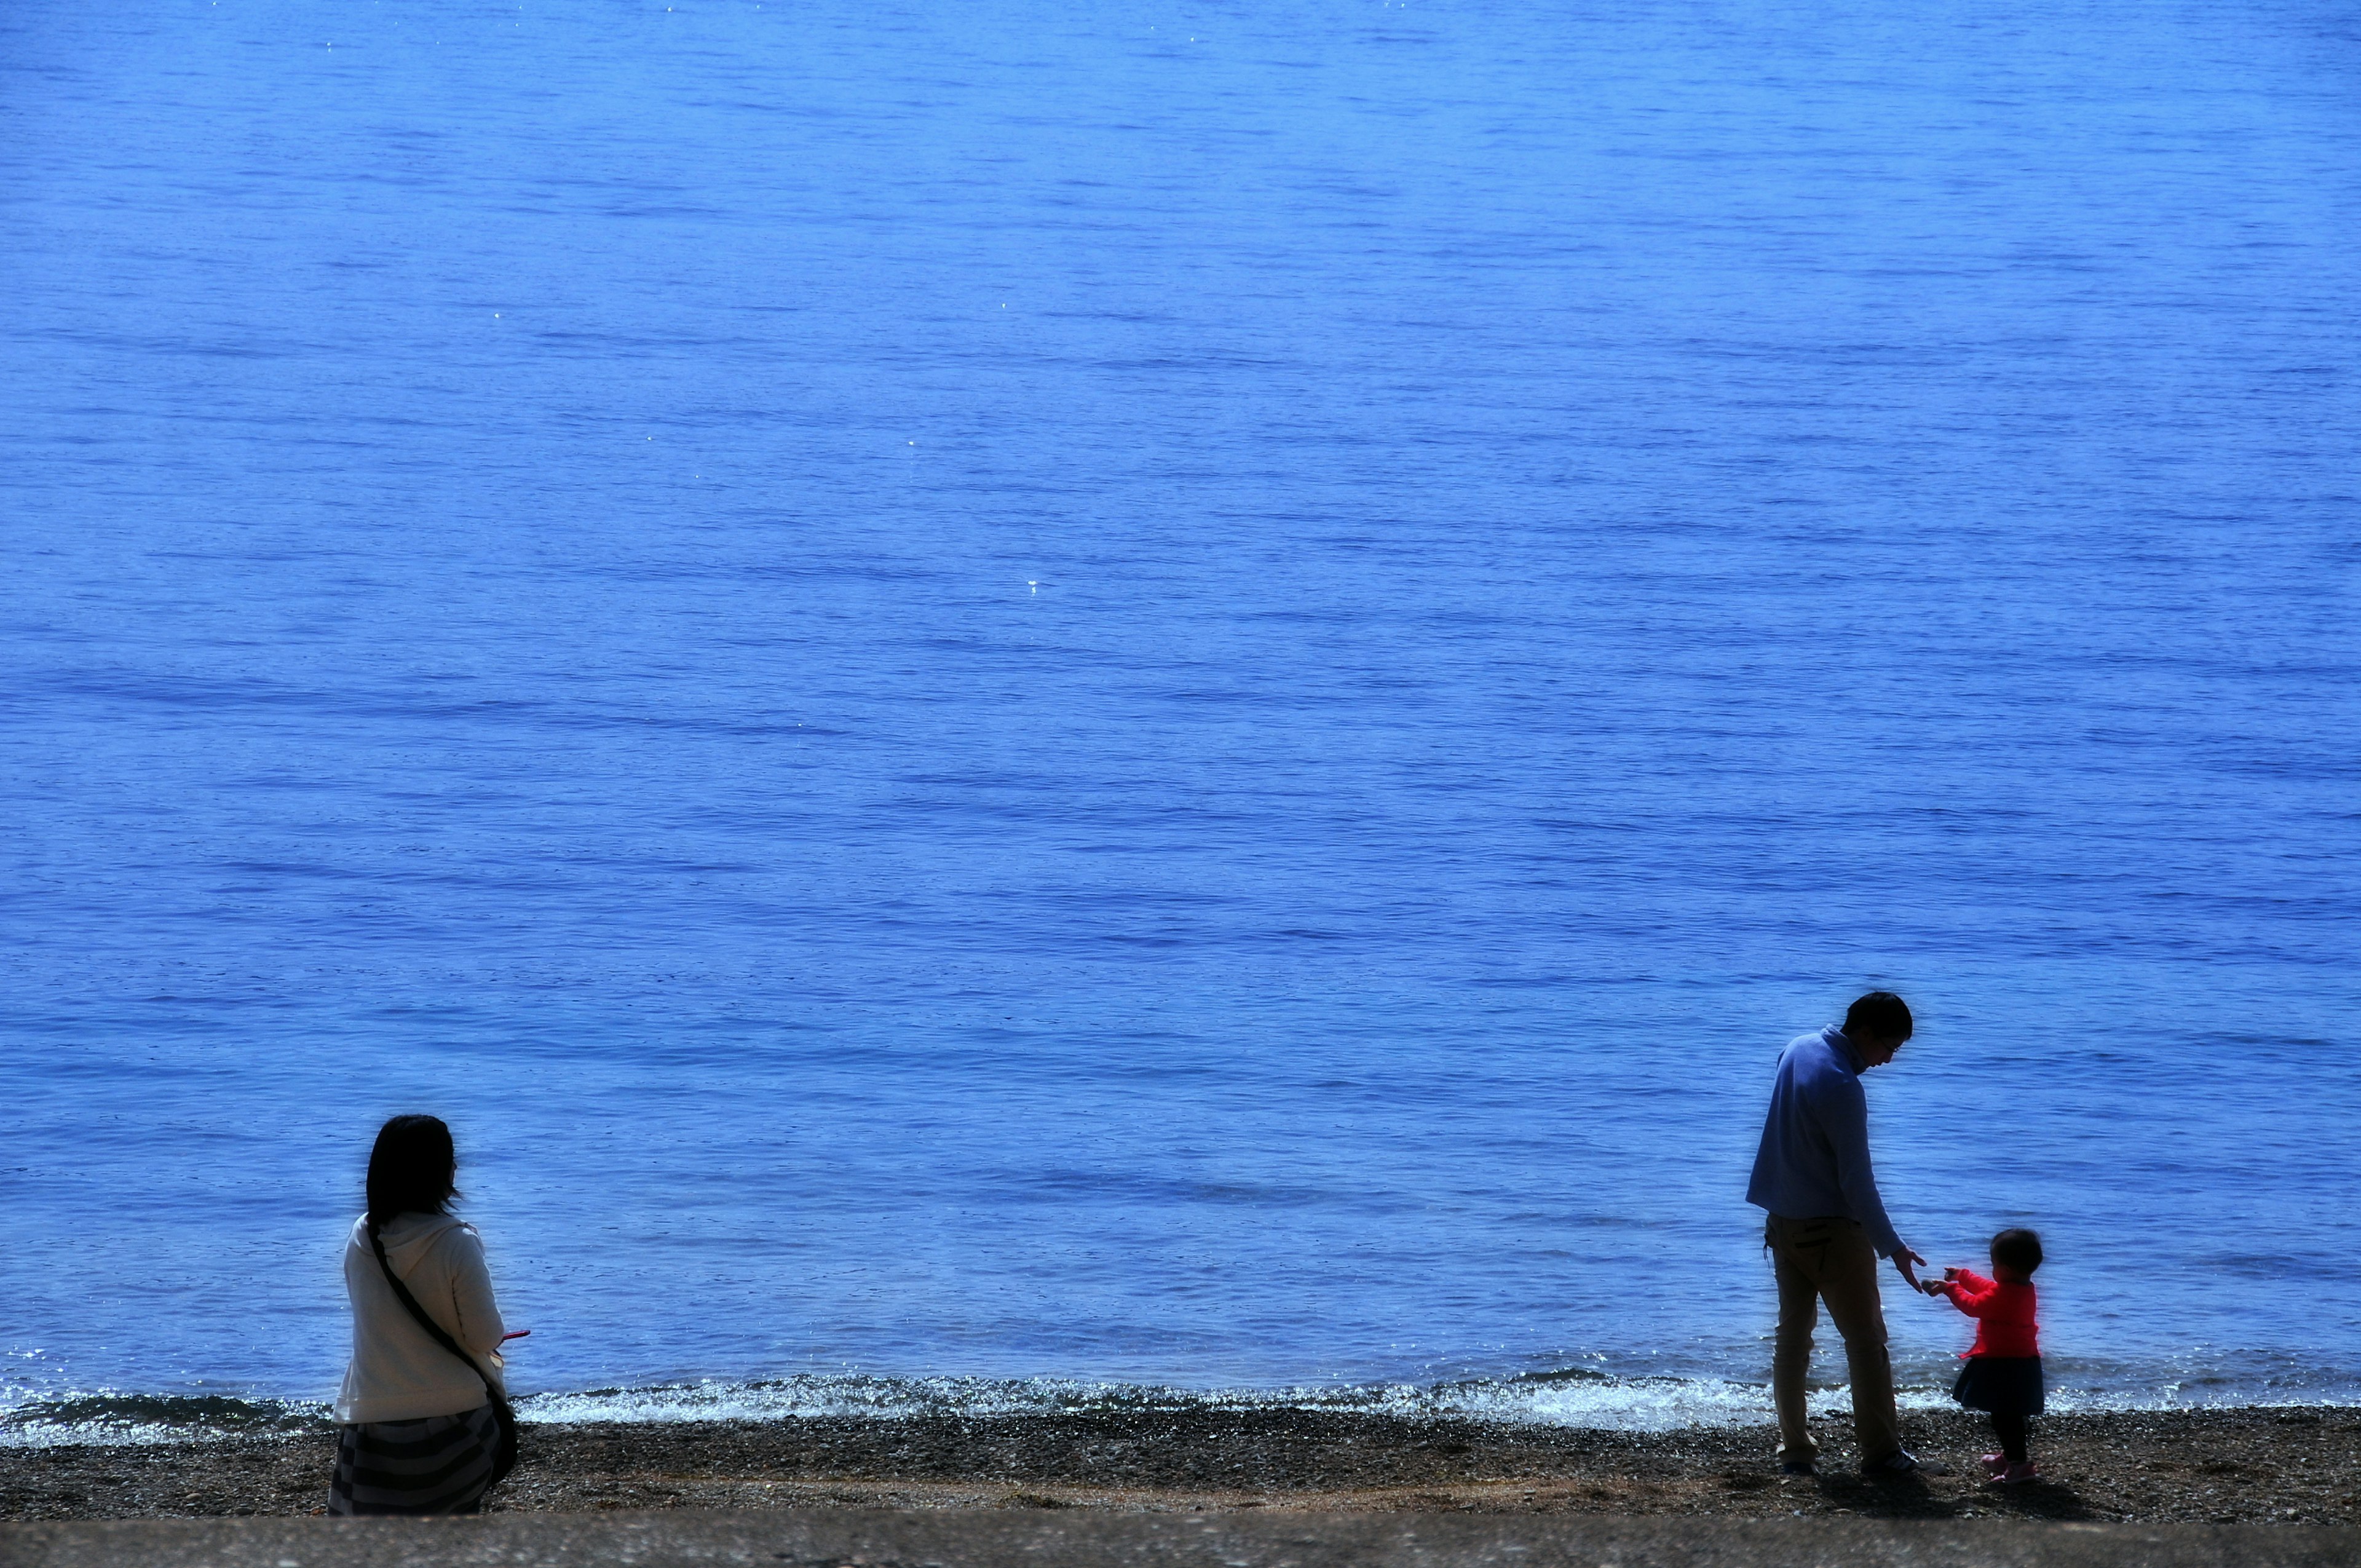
x: 1970, y: 1292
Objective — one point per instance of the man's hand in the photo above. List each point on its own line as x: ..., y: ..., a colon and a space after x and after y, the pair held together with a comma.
x: 1903, y: 1258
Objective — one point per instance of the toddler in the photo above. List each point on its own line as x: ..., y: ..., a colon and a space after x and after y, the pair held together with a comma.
x: 2003, y: 1371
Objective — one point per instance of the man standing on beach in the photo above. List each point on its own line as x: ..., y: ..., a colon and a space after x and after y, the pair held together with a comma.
x: 1827, y: 1228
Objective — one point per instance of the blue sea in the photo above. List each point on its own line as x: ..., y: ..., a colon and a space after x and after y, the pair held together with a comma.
x: 1032, y: 704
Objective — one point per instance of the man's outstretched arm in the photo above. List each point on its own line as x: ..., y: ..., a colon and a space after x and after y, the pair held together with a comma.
x: 1846, y: 1122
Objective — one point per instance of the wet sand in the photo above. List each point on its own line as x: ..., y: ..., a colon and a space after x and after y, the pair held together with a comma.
x: 2220, y: 1466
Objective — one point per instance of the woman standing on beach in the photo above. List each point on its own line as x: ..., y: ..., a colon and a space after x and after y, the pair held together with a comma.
x: 426, y: 1425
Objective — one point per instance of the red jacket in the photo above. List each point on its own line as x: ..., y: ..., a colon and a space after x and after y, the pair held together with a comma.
x: 2004, y: 1314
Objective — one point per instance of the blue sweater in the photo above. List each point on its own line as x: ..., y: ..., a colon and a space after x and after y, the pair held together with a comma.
x: 1815, y: 1154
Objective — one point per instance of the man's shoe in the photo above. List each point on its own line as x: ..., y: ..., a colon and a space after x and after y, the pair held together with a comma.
x: 1898, y: 1465
x: 1796, y: 1467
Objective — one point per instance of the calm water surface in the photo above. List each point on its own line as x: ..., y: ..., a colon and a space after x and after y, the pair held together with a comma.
x: 1002, y: 698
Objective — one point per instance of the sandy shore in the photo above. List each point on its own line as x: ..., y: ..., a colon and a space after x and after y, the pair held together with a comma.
x: 2215, y: 1466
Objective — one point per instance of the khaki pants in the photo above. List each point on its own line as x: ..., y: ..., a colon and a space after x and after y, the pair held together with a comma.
x: 1831, y: 1260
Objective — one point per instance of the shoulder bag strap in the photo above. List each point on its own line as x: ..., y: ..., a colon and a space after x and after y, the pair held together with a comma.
x: 429, y: 1324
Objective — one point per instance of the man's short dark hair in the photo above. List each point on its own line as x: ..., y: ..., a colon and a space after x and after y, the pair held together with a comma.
x: 1880, y: 1014
x: 2020, y: 1250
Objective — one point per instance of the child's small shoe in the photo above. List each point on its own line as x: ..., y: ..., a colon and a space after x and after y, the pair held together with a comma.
x: 2016, y: 1475
x: 1994, y: 1463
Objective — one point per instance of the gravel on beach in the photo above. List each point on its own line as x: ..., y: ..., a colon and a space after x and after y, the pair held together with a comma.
x: 2250, y: 1465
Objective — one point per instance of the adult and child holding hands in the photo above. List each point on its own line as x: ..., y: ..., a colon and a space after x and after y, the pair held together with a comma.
x: 425, y: 1427
x: 1827, y: 1228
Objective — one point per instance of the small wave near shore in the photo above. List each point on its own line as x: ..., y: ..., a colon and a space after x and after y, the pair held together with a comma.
x: 1575, y: 1397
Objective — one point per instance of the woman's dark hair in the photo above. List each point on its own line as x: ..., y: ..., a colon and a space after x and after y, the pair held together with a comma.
x: 2020, y: 1250
x: 412, y: 1169
x: 1881, y: 1014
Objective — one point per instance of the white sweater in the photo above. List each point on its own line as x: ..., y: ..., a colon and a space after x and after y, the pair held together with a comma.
x: 398, y: 1372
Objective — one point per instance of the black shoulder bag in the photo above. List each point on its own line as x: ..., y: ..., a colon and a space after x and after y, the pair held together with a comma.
x: 504, y: 1447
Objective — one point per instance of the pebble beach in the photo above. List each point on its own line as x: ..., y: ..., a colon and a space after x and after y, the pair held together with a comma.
x: 2294, y: 1466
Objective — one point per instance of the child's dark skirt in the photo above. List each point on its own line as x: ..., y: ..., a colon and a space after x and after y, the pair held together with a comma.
x: 2005, y: 1385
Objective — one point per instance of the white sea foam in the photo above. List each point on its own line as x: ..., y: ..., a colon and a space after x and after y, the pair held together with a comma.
x: 1642, y: 1404
x: 1574, y: 1399
x: 110, y: 1418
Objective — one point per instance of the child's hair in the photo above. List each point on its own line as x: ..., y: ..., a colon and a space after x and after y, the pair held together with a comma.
x: 2020, y: 1250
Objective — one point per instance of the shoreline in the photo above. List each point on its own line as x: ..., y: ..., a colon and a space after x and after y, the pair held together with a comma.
x: 2276, y: 1464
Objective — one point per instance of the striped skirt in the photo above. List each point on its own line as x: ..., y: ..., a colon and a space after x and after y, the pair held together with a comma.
x: 437, y: 1464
